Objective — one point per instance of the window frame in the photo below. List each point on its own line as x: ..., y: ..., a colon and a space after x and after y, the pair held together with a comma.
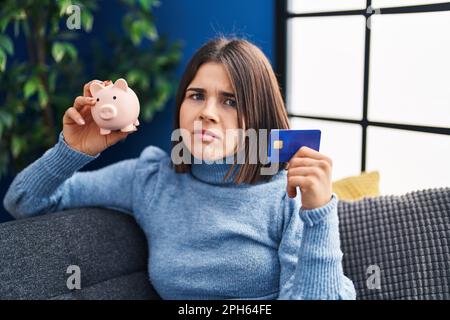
x: 282, y: 16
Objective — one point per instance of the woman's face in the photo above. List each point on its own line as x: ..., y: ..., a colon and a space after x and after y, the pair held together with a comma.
x: 208, y: 114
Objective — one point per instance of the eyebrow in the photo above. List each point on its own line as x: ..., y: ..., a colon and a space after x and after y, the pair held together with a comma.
x: 201, y: 90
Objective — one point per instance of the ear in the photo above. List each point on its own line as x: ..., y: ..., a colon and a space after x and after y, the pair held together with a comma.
x: 95, y: 87
x: 121, y: 84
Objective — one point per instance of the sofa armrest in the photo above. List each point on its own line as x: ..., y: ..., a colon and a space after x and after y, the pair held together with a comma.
x: 108, y: 247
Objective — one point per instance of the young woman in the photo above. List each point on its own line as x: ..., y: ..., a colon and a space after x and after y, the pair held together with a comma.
x: 215, y: 230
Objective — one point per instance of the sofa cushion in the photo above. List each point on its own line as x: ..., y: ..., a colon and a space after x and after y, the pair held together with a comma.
x: 357, y: 187
x: 406, y: 238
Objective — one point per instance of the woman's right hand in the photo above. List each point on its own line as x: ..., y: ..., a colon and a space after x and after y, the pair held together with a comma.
x: 79, y: 129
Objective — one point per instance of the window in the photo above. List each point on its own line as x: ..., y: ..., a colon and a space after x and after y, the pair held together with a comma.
x: 374, y: 76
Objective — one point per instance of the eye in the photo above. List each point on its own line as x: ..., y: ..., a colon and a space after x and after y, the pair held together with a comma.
x: 114, y: 97
x: 196, y: 96
x: 230, y: 102
x: 98, y: 99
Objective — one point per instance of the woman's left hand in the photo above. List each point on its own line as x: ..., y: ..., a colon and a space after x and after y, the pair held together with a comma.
x: 311, y: 171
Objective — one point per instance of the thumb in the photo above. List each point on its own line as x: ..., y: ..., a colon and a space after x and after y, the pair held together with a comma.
x: 291, y: 191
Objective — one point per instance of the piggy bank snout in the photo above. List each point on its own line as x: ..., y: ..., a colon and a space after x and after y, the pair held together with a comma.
x: 108, y: 111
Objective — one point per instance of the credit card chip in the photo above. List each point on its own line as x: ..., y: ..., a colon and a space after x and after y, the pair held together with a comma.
x: 278, y: 144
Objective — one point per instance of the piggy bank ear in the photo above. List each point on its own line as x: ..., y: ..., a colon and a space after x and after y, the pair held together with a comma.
x: 95, y: 87
x: 121, y: 84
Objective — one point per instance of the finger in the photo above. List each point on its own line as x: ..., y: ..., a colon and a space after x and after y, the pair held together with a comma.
x: 304, y: 171
x: 87, y: 114
x: 303, y: 162
x: 85, y: 110
x: 81, y: 101
x: 297, y: 181
x: 73, y: 114
x: 311, y: 153
x: 86, y: 90
x: 309, y: 162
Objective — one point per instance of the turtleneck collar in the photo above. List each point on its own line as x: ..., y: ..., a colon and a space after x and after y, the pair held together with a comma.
x: 214, y: 172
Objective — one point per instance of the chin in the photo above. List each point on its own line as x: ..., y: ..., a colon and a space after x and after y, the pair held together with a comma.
x: 209, y: 153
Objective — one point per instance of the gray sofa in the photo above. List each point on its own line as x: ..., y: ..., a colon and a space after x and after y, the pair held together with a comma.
x: 405, y: 240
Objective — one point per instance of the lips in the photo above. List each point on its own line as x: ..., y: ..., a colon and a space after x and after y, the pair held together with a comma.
x: 206, y: 135
x: 206, y: 132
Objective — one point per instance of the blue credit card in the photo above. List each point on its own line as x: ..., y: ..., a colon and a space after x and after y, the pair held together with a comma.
x: 285, y: 143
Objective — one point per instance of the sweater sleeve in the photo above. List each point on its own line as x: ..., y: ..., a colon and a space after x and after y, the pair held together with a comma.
x: 310, y: 254
x: 52, y: 183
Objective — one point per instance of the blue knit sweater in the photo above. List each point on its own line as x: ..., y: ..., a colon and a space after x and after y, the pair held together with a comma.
x: 207, y: 238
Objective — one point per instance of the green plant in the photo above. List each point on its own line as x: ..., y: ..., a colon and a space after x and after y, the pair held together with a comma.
x: 35, y: 92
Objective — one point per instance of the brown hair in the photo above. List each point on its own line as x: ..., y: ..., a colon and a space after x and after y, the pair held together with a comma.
x: 259, y: 101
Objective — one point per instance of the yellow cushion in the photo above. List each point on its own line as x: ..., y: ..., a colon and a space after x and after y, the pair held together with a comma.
x: 357, y: 187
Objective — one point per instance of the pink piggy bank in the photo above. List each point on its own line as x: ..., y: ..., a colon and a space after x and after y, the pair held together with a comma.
x: 116, y: 107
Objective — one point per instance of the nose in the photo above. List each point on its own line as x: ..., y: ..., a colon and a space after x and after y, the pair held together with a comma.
x: 108, y: 111
x: 209, y: 111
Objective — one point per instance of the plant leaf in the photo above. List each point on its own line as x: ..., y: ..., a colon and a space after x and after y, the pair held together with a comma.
x: 136, y: 32
x: 4, y: 22
x: 52, y: 80
x: 30, y: 87
x: 151, y: 31
x: 2, y: 60
x: 6, y: 118
x: 7, y: 44
x: 58, y: 51
x: 71, y: 50
x: 87, y: 20
x: 63, y: 5
x: 43, y: 97
x: 17, y: 144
